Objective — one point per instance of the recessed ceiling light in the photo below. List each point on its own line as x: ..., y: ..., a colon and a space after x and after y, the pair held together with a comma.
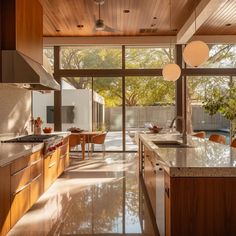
x: 126, y: 11
x: 228, y: 24
x: 80, y: 26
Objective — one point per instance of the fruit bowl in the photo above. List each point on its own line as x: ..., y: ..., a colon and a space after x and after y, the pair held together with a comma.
x: 47, y: 130
x: 155, y: 129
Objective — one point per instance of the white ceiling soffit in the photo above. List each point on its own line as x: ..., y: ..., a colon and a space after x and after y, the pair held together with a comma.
x: 110, y: 40
x: 204, y: 9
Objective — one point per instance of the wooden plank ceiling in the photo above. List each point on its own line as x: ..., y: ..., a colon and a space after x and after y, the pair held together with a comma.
x: 62, y: 17
x: 222, y: 22
x: 65, y: 17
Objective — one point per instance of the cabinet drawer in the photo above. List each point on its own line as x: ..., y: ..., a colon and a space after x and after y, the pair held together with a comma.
x: 63, y: 149
x: 52, y: 157
x: 52, y: 169
x: 36, y: 169
x: 20, y: 164
x: 36, y: 189
x: 61, y: 165
x: 20, y: 203
x: 35, y: 157
x: 20, y: 179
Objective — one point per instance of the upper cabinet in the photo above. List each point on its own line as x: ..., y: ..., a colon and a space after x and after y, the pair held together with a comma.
x: 22, y: 27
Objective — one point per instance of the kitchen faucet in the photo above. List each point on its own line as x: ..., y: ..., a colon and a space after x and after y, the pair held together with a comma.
x: 184, y: 130
x: 173, y: 121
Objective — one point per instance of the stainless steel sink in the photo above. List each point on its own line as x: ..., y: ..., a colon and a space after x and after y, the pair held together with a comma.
x: 171, y: 144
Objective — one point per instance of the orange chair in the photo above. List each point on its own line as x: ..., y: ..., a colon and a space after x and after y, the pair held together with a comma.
x: 99, y: 139
x: 233, y: 143
x: 74, y: 140
x: 200, y: 134
x: 217, y: 138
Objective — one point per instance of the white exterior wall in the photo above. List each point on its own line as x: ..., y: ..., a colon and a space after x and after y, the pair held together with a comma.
x: 81, y: 99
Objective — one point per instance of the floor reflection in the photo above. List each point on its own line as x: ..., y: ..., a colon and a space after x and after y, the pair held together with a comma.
x: 93, y: 197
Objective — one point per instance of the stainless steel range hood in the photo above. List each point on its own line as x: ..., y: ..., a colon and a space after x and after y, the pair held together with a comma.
x: 24, y: 72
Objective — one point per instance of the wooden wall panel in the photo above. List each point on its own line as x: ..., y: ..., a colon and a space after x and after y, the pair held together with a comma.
x: 29, y: 28
x: 22, y: 27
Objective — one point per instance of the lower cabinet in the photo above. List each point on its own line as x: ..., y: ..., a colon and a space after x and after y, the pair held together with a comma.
x: 154, y: 182
x: 50, y: 169
x: 23, y: 181
x: 26, y: 181
x: 20, y: 203
x: 5, y: 200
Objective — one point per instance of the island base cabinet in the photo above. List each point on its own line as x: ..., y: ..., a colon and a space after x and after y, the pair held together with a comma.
x: 200, y: 206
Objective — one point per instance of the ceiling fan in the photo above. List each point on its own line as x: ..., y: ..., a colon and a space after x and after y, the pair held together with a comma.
x: 99, y: 23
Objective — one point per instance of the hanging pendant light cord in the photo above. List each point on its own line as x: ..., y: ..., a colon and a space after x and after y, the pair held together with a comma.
x: 170, y: 30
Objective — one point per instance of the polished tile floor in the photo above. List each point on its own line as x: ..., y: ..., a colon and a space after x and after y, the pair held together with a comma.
x: 93, y: 197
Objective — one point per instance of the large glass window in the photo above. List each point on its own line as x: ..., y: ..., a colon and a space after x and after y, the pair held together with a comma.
x: 199, y: 119
x: 90, y: 57
x: 147, y: 57
x: 221, y: 56
x: 49, y: 56
x: 107, y: 110
x: 148, y: 100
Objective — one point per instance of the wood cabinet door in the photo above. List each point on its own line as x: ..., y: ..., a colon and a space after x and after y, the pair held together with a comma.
x: 47, y: 177
x: 61, y: 165
x: 150, y: 182
x: 20, y: 203
x: 4, y: 200
x: 167, y: 205
x: 36, y: 189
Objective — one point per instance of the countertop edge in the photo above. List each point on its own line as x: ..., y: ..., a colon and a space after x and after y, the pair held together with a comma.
x: 188, y: 171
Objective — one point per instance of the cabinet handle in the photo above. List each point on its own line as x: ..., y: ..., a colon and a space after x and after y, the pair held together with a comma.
x: 35, y: 162
x: 50, y: 166
x: 167, y: 191
x: 63, y: 156
x: 22, y: 188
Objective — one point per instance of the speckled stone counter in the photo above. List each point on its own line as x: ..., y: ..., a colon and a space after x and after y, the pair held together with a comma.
x: 203, y: 159
x: 11, y: 151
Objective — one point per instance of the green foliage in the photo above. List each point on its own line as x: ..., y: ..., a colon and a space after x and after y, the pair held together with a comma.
x: 222, y: 100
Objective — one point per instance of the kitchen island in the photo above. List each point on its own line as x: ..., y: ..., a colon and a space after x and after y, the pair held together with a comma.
x: 191, y: 186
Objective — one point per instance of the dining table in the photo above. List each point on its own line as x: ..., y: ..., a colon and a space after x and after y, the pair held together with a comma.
x: 83, y: 138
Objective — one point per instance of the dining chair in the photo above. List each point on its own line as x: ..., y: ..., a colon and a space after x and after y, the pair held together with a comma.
x: 100, y: 140
x: 218, y: 138
x: 200, y: 134
x: 74, y: 140
x: 233, y: 143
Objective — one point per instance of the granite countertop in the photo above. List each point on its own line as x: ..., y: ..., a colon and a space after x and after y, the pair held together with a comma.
x: 203, y: 159
x: 12, y: 151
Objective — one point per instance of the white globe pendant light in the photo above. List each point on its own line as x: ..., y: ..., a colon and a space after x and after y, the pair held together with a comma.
x: 196, y: 53
x: 171, y: 72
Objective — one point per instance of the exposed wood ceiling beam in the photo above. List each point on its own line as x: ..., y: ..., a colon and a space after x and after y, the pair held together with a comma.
x: 145, y: 40
x: 110, y: 40
x: 203, y: 10
x: 216, y: 39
